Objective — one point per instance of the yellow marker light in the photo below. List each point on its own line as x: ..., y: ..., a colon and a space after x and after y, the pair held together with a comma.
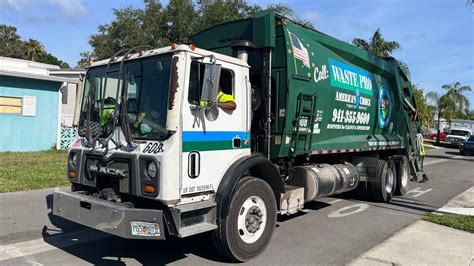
x: 72, y: 174
x: 174, y: 45
x: 89, y: 61
x: 192, y: 46
x: 141, y: 52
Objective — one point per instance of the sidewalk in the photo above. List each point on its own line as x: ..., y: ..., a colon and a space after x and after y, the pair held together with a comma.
x: 425, y: 243
x: 461, y: 204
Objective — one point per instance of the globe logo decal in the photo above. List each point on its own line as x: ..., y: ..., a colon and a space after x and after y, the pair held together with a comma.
x: 357, y: 98
x: 384, y: 107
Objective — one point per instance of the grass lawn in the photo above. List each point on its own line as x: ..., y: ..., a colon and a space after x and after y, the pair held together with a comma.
x: 461, y: 222
x: 32, y: 170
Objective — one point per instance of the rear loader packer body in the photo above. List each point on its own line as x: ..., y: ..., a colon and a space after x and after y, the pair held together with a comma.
x: 159, y: 155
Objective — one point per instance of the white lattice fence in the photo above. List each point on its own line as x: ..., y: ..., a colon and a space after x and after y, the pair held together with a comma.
x: 68, y: 135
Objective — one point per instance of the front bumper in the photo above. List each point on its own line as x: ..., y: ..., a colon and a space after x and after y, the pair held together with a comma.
x: 109, y: 217
x: 467, y: 148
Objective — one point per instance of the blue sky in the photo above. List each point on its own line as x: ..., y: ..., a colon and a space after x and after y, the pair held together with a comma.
x: 436, y: 35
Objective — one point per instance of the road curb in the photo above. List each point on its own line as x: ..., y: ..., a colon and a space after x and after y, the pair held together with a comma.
x: 462, y: 204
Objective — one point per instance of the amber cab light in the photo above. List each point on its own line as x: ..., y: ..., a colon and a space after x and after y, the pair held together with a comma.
x: 149, y: 189
x: 72, y: 174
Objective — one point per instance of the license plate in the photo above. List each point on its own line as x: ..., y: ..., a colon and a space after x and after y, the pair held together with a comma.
x: 145, y: 229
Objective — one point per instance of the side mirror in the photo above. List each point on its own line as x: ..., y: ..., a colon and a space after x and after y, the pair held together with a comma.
x: 210, y: 85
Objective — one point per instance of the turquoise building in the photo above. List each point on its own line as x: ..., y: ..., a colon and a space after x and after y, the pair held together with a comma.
x: 30, y: 106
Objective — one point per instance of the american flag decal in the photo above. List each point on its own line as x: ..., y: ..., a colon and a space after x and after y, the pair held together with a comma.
x: 299, y: 51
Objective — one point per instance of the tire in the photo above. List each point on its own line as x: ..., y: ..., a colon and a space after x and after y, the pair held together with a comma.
x: 234, y: 238
x: 403, y: 174
x: 383, y: 187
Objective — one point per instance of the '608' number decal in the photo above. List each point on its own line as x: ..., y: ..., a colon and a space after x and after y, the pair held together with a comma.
x: 155, y: 148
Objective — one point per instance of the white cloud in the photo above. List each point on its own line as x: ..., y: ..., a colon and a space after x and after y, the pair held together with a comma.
x: 44, y: 10
x: 73, y: 9
x: 16, y: 5
x: 312, y: 16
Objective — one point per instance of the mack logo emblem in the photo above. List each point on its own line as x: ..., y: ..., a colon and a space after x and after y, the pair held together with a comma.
x: 107, y: 171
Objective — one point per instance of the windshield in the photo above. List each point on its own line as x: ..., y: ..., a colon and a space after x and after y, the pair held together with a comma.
x: 148, y: 82
x: 471, y: 138
x: 460, y: 133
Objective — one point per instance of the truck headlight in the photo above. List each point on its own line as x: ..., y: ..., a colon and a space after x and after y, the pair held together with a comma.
x: 73, y: 160
x: 152, y: 169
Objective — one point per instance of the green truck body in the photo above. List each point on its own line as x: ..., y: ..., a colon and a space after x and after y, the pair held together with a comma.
x: 327, y: 96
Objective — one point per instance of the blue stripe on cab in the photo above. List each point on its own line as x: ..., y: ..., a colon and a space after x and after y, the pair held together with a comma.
x: 189, y: 136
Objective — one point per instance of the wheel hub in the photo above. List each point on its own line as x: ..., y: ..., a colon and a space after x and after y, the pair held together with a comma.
x: 390, y: 181
x: 404, y: 179
x: 251, y: 219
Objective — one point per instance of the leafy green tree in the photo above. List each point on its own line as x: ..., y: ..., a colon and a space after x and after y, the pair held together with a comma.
x: 444, y: 106
x: 180, y: 20
x: 125, y: 31
x: 11, y: 45
x: 157, y: 26
x: 426, y: 114
x: 10, y: 42
x: 378, y: 46
x: 456, y: 92
x: 216, y: 12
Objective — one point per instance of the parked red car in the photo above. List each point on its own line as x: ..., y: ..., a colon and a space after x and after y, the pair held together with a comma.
x: 442, y: 136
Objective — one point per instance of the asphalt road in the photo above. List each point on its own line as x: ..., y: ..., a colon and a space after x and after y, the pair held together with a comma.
x: 330, y: 231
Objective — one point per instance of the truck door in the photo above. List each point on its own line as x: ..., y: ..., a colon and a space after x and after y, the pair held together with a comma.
x: 212, y: 139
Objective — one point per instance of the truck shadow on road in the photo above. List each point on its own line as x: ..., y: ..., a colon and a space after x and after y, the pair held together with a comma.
x: 112, y: 250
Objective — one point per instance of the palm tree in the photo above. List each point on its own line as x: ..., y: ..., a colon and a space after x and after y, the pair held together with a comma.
x: 378, y: 46
x: 444, y: 106
x: 34, y: 50
x: 455, y: 91
x: 286, y: 11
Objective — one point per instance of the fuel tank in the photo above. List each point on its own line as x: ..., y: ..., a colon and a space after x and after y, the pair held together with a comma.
x: 323, y: 180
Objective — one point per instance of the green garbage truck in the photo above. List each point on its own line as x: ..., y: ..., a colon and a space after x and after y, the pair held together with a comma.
x: 250, y: 120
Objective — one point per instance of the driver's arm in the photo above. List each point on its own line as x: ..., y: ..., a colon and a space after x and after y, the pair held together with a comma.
x: 227, y: 105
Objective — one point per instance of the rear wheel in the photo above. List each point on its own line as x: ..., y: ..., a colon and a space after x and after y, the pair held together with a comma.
x: 383, y: 187
x: 403, y: 172
x: 248, y: 227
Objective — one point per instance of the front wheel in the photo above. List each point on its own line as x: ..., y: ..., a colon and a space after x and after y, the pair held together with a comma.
x: 248, y: 227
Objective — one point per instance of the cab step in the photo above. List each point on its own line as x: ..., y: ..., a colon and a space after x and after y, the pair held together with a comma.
x: 194, y: 218
x: 196, y: 229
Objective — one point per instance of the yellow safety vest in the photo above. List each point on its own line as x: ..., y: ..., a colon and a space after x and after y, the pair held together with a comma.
x: 221, y: 98
x: 224, y: 98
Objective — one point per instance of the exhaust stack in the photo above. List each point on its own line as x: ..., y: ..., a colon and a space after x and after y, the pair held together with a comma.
x: 243, y: 47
